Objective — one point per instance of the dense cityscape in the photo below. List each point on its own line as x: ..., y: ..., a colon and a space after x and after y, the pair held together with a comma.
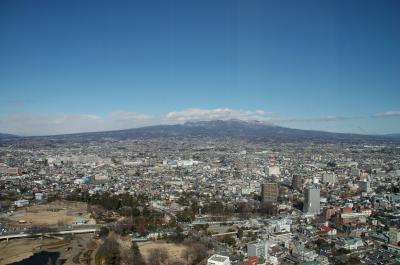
x: 198, y: 200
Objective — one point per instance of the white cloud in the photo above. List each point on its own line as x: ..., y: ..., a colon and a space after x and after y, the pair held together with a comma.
x: 15, y: 102
x: 387, y: 114
x: 316, y: 119
x: 24, y: 123
x: 216, y: 114
x: 125, y: 120
x: 126, y: 116
x: 328, y: 118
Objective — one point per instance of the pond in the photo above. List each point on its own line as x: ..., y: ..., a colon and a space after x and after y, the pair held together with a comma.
x: 41, y: 258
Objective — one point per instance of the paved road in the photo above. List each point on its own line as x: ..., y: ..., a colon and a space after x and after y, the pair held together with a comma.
x: 62, y: 232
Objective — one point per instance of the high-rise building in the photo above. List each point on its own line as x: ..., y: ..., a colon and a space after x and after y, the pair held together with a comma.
x: 297, y: 182
x: 311, y: 200
x: 272, y: 171
x: 329, y: 178
x: 365, y: 186
x: 355, y: 172
x: 269, y: 192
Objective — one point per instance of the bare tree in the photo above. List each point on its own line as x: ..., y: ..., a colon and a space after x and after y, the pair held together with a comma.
x: 195, y: 253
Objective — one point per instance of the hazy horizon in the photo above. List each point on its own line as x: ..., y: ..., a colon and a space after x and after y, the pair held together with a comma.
x: 165, y: 123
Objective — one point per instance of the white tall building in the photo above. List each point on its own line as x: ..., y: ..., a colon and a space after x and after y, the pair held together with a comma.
x: 311, y: 201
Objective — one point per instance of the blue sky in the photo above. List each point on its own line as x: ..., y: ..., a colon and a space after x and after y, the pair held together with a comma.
x: 69, y: 66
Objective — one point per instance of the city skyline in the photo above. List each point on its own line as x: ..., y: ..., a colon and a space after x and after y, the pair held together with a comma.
x: 74, y: 66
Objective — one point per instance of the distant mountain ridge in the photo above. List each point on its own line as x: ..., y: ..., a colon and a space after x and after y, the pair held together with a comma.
x: 222, y: 128
x: 7, y: 136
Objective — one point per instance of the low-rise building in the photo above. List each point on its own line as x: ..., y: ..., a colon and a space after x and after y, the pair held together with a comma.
x: 349, y: 243
x: 21, y: 203
x: 218, y: 260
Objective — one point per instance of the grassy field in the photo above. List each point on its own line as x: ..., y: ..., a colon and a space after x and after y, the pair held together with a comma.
x: 57, y: 212
x: 175, y: 251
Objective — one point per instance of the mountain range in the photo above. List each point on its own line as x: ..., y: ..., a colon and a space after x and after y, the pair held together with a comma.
x: 7, y: 136
x: 219, y: 128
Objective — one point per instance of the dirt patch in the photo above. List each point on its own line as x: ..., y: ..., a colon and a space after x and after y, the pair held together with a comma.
x: 54, y: 213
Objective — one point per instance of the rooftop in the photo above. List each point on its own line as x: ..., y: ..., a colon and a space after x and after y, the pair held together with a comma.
x: 218, y: 258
